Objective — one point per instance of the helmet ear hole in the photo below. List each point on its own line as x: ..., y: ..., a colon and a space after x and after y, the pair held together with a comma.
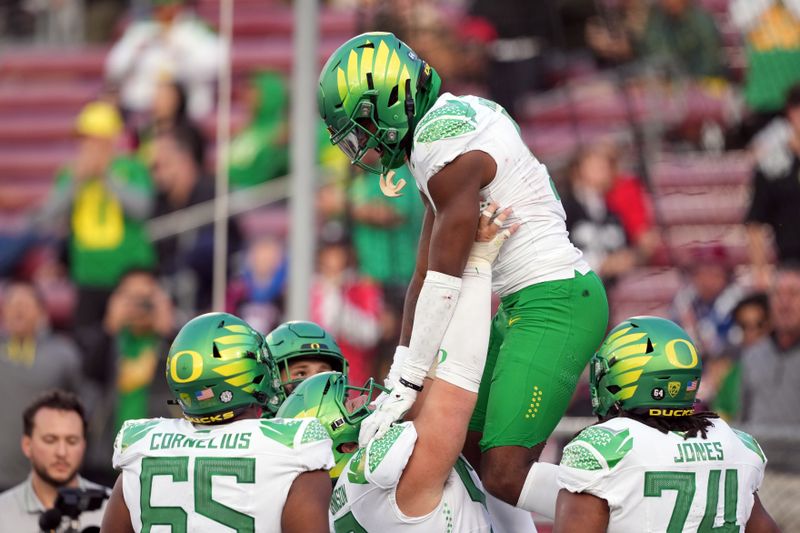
x: 393, y: 98
x: 258, y: 379
x: 613, y: 389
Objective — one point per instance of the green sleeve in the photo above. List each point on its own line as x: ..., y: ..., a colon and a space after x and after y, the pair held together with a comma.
x: 132, y: 173
x: 710, y: 60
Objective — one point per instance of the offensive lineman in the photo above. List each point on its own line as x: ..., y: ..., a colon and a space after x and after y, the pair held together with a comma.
x: 302, y: 349
x: 223, y: 466
x: 376, y: 93
x: 367, y: 478
x: 652, y: 463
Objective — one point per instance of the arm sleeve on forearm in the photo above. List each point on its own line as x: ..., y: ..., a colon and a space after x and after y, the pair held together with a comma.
x: 466, y: 341
x: 435, y: 306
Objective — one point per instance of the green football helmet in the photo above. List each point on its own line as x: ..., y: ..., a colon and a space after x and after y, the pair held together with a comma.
x: 301, y: 339
x: 372, y: 93
x: 218, y: 366
x: 324, y: 396
x: 646, y: 363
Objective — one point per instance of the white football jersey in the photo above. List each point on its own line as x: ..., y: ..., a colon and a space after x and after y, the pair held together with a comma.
x: 541, y: 249
x: 231, y: 477
x: 662, y: 482
x: 364, y: 497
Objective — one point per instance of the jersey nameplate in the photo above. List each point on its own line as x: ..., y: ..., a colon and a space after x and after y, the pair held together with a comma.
x: 229, y: 441
x: 690, y: 452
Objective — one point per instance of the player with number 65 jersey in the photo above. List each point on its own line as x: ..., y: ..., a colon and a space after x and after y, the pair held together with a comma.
x: 222, y: 467
x: 652, y: 463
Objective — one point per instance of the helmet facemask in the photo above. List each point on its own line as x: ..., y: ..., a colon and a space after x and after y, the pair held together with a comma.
x: 364, y: 133
x: 338, y: 406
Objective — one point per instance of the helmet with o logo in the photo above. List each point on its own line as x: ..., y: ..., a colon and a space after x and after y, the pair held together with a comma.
x: 218, y: 366
x: 646, y: 363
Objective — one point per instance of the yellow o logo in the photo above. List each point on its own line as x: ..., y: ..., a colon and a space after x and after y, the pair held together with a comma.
x: 197, y: 366
x: 315, y: 345
x: 672, y: 354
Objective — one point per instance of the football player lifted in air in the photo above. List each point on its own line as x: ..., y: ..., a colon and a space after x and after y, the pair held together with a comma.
x: 223, y: 466
x: 464, y: 151
x: 302, y: 349
x: 653, y: 463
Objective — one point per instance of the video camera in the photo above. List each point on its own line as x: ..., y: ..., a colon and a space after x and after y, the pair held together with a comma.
x: 71, y: 502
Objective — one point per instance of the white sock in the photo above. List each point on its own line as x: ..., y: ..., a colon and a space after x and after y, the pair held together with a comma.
x: 540, y: 490
x: 507, y: 518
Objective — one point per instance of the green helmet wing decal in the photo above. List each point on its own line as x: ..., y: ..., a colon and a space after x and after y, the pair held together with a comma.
x: 217, y: 366
x: 373, y: 90
x: 645, y: 363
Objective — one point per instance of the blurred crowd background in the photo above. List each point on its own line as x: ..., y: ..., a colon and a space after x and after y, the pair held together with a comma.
x: 671, y: 128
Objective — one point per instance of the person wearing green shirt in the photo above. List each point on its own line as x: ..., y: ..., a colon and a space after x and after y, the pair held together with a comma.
x: 685, y: 34
x: 259, y: 152
x: 107, y: 197
x: 385, y: 230
x: 139, y: 322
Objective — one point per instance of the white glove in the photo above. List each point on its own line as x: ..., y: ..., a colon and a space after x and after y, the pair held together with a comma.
x: 390, y: 409
x: 400, y: 354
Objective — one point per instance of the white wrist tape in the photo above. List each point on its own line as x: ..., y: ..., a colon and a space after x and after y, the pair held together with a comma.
x: 435, y: 306
x: 540, y: 490
x: 464, y: 347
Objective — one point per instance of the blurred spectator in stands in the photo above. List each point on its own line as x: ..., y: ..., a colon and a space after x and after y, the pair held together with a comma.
x: 167, y: 114
x: 107, y: 196
x: 54, y: 430
x: 139, y: 322
x: 631, y: 203
x: 259, y: 152
x: 102, y: 17
x: 751, y: 325
x: 257, y: 294
x: 704, y: 305
x: 776, y: 194
x: 186, y: 259
x: 771, y: 367
x: 32, y: 359
x: 348, y: 306
x: 57, y: 21
x: 616, y: 32
x: 771, y: 30
x: 516, y: 63
x: 684, y: 34
x: 175, y: 42
x: 593, y: 227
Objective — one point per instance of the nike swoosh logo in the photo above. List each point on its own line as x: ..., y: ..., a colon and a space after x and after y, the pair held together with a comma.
x: 511, y: 321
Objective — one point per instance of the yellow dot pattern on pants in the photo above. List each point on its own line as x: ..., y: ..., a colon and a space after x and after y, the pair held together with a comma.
x: 536, y: 401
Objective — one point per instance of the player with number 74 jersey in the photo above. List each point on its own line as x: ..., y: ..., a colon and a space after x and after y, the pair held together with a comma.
x: 222, y: 467
x: 652, y: 463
